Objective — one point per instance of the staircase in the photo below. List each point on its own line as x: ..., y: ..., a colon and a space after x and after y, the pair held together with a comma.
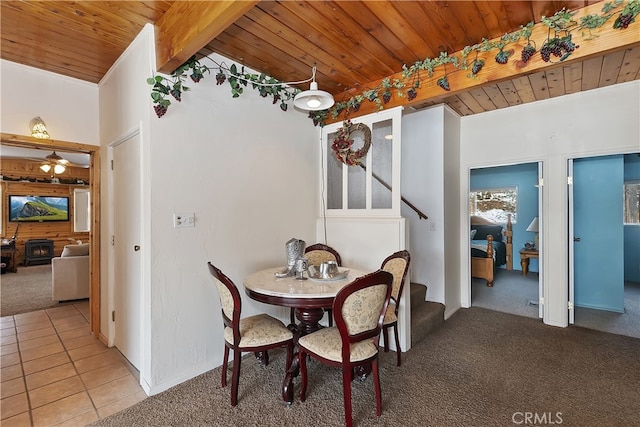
x: 425, y: 316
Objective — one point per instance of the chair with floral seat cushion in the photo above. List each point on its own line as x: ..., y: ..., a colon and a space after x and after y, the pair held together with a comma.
x: 316, y: 254
x: 398, y: 265
x: 359, y: 309
x: 258, y: 333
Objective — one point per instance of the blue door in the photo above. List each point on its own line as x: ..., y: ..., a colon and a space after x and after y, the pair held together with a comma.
x: 598, y: 232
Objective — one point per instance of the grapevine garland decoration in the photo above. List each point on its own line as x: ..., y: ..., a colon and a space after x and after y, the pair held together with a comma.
x: 343, y: 142
x: 174, y: 86
x: 558, y: 44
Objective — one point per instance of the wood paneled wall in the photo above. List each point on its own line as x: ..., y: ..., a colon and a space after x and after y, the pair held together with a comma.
x: 60, y: 232
x: 16, y: 169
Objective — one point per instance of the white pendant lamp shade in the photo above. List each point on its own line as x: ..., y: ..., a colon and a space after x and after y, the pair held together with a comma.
x: 313, y: 99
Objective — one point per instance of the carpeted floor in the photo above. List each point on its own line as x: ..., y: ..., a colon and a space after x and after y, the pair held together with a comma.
x: 627, y: 323
x: 514, y: 293
x: 27, y: 290
x: 481, y: 368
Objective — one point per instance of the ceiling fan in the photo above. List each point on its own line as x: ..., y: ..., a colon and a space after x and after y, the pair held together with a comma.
x: 53, y: 159
x: 55, y: 164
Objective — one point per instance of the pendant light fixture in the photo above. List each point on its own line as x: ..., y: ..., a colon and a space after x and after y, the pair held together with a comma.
x: 55, y: 162
x: 38, y: 128
x: 313, y: 99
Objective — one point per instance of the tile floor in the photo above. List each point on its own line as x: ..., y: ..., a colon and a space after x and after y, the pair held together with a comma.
x: 54, y: 373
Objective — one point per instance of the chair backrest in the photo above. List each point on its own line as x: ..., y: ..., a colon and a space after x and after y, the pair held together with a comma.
x: 319, y: 253
x: 398, y: 265
x: 359, y: 308
x: 230, y: 301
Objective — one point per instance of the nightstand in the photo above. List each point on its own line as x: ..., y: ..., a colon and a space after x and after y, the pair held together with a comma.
x: 525, y: 256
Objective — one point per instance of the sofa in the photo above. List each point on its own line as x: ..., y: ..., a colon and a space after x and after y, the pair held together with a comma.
x: 70, y: 273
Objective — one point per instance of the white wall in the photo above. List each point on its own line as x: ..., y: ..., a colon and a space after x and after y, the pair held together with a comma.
x: 68, y: 106
x: 452, y: 261
x: 423, y: 186
x: 247, y: 169
x: 596, y: 122
x: 430, y: 181
x: 125, y: 108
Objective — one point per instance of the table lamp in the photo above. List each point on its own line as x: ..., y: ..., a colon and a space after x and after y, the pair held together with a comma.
x: 533, y: 227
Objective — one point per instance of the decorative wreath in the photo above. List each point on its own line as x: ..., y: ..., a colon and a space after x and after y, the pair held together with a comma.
x: 342, y: 144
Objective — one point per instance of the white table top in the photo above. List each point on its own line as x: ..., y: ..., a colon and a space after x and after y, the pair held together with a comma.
x: 265, y: 282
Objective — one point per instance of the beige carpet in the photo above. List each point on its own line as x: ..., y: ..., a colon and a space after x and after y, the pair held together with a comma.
x: 27, y: 290
x: 481, y: 368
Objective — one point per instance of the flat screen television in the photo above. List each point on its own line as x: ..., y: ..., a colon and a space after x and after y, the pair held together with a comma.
x: 38, y: 208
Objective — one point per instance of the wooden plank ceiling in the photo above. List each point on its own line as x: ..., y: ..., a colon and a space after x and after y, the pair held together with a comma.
x: 354, y: 44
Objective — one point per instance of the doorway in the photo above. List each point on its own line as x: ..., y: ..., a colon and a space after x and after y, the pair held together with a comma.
x: 510, y: 190
x: 127, y: 268
x: 10, y: 140
x: 604, y: 251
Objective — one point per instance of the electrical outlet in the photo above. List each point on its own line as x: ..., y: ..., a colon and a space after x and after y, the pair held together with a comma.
x: 181, y: 220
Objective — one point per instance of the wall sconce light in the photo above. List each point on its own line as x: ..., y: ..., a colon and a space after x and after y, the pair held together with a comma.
x: 38, y: 128
x: 313, y: 99
x: 533, y: 228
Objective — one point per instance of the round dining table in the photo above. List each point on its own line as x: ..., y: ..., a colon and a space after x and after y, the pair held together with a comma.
x: 309, y: 298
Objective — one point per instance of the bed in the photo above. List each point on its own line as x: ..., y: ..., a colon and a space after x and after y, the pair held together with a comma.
x: 491, y: 247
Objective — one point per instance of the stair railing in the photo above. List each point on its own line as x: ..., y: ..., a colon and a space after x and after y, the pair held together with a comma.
x: 421, y: 215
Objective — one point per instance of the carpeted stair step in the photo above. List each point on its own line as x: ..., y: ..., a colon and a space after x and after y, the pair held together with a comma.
x: 426, y: 316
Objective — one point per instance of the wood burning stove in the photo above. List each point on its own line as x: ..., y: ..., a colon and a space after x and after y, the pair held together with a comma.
x: 38, y: 251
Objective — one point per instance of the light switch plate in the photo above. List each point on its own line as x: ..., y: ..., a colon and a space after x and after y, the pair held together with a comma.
x: 181, y: 220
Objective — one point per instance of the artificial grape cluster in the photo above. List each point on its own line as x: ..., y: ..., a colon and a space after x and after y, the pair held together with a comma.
x: 177, y: 94
x: 527, y: 52
x: 559, y: 47
x: 502, y: 57
x: 623, y: 21
x: 411, y: 94
x: 160, y: 110
x: 477, y: 66
x: 220, y: 78
x: 443, y: 82
x: 386, y: 97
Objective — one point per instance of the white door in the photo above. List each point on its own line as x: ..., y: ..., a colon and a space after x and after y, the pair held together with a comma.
x: 572, y: 311
x: 127, y: 210
x: 540, y: 245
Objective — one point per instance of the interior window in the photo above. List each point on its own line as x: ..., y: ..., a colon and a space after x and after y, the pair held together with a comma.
x: 632, y: 202
x: 494, y: 204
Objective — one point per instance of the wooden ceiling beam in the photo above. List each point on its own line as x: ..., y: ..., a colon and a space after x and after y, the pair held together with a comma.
x: 604, y: 40
x: 189, y: 25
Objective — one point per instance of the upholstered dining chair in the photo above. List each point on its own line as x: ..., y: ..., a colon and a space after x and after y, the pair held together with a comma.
x: 359, y: 309
x: 258, y: 333
x: 398, y: 265
x: 316, y: 254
